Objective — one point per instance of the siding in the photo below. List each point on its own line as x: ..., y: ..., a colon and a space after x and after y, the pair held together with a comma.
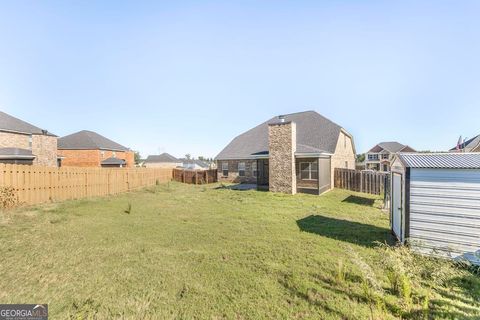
x: 445, y: 211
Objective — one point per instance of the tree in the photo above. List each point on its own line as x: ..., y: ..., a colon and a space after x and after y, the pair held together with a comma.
x: 188, y: 156
x: 360, y: 157
x: 136, y: 157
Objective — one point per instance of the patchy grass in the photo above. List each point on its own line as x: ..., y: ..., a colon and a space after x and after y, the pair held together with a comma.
x: 181, y: 251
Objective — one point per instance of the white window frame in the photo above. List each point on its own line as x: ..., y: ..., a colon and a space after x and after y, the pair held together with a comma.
x: 372, y: 157
x: 225, y: 168
x: 241, y: 168
x: 311, y: 165
x: 30, y: 142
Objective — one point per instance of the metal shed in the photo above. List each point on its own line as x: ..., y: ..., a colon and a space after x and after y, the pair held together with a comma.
x: 436, y: 203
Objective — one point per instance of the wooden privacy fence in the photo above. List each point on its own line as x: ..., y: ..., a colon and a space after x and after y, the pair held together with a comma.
x: 361, y: 181
x: 195, y: 176
x: 35, y: 184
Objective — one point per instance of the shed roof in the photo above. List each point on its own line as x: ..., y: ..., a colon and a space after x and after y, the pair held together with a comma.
x: 164, y: 157
x: 441, y: 160
x: 88, y: 140
x: 10, y: 123
x: 315, y: 134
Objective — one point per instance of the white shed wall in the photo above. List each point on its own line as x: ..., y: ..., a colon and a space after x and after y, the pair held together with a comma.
x: 445, y: 211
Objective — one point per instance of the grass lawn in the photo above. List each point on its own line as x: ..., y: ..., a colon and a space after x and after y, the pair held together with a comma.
x: 182, y: 251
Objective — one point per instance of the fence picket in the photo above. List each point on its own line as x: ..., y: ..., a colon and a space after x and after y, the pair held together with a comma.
x: 35, y: 184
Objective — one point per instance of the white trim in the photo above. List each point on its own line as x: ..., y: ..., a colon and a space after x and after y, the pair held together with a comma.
x: 313, y: 155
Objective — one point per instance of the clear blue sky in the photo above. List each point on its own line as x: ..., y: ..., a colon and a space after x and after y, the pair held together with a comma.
x: 188, y: 76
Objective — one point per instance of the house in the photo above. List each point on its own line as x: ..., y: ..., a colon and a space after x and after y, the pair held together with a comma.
x: 290, y: 153
x: 163, y: 160
x: 24, y: 143
x: 90, y: 149
x: 193, y: 164
x: 435, y: 204
x: 471, y: 145
x: 379, y: 157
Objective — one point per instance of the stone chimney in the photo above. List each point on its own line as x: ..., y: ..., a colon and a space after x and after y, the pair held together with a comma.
x: 282, y: 143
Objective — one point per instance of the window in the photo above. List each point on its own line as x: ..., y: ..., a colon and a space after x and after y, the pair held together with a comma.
x: 373, y: 157
x: 114, y: 154
x: 30, y: 142
x: 241, y: 169
x: 385, y: 156
x: 103, y: 154
x: 308, y: 171
x: 225, y: 169
x: 345, y: 141
x: 346, y: 164
x: 254, y: 169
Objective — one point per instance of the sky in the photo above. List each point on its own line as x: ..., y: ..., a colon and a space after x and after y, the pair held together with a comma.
x: 188, y: 76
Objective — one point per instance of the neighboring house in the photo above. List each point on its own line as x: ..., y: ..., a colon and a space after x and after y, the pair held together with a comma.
x: 163, y: 160
x: 24, y: 143
x: 89, y: 149
x: 379, y: 157
x: 292, y: 153
x: 194, y: 164
x: 472, y: 145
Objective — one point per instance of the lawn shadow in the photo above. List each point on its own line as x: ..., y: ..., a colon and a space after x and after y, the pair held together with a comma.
x: 360, y: 200
x: 344, y: 230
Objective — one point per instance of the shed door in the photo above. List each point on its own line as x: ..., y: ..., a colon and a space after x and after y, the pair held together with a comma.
x: 397, y: 208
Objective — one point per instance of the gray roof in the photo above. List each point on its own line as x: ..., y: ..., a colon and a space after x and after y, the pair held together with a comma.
x: 88, y: 140
x: 199, y: 163
x: 14, y: 153
x: 441, y: 160
x: 315, y: 134
x: 164, y: 157
x: 469, y: 145
x: 390, y: 146
x: 113, y: 160
x: 10, y: 123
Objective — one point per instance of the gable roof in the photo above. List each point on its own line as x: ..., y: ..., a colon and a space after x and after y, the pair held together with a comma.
x: 12, y: 124
x: 469, y: 145
x: 88, y: 140
x: 441, y: 160
x: 391, y: 146
x: 164, y: 157
x: 315, y: 134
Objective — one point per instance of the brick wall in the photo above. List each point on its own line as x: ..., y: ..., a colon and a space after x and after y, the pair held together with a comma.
x: 44, y: 147
x: 93, y: 158
x: 14, y: 140
x: 233, y: 175
x: 282, y: 146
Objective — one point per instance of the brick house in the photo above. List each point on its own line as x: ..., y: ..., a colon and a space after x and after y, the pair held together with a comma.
x: 291, y: 153
x: 90, y: 149
x: 381, y: 155
x: 164, y: 160
x: 24, y: 143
